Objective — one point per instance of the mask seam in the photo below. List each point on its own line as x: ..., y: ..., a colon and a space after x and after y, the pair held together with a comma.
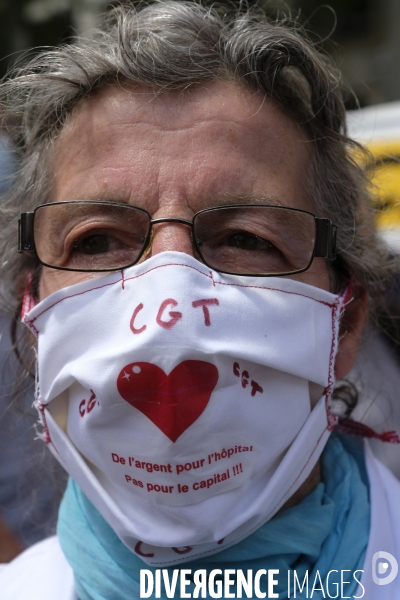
x: 31, y: 322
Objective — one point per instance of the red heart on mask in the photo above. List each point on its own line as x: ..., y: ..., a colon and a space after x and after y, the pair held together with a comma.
x: 172, y: 402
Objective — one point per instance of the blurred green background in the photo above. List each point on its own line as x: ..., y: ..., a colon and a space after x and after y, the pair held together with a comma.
x: 361, y: 35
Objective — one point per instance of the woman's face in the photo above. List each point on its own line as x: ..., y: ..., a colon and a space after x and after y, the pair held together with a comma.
x: 179, y: 153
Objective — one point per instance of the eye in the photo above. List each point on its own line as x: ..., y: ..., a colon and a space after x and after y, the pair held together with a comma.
x: 95, y: 244
x: 248, y: 241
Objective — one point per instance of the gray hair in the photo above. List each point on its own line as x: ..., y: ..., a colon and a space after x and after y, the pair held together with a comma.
x: 173, y: 45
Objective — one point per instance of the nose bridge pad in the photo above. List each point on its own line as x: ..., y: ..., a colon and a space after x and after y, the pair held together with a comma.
x: 194, y: 246
x: 147, y: 250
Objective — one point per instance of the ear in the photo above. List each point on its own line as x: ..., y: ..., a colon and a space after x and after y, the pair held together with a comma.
x: 351, y: 327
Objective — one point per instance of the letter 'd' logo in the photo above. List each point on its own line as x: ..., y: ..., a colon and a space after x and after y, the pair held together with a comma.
x: 381, y: 574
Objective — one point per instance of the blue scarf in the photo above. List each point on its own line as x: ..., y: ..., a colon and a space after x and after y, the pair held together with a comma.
x: 328, y: 530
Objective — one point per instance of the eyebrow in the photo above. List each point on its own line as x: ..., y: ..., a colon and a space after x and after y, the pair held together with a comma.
x: 246, y: 199
x: 222, y: 200
x: 64, y: 216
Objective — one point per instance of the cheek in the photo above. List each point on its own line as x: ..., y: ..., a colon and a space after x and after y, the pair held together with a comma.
x: 52, y: 280
x: 317, y: 275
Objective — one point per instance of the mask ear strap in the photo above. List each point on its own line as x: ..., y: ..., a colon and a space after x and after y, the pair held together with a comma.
x: 347, y: 293
x: 346, y: 424
x: 28, y: 301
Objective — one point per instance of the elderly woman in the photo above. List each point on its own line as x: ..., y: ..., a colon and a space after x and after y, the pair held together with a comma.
x: 196, y: 253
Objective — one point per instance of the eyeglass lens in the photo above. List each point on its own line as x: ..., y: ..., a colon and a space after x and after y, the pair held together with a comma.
x: 89, y: 236
x: 244, y: 240
x: 256, y: 239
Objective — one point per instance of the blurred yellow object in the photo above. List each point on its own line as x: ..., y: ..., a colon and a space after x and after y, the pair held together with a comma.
x: 378, y: 128
x: 386, y: 179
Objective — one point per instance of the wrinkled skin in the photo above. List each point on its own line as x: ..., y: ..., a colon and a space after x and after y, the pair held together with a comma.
x: 179, y: 152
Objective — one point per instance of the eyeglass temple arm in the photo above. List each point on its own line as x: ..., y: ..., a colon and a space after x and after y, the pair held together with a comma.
x: 325, y: 239
x: 25, y: 234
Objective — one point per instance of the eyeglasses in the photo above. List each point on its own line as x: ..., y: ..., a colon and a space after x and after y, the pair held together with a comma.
x: 241, y: 239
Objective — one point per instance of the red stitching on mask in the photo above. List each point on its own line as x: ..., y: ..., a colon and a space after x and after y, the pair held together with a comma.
x: 350, y: 427
x: 237, y: 285
x: 41, y: 408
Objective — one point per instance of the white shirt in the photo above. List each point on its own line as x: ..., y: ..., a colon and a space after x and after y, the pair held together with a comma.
x: 42, y: 572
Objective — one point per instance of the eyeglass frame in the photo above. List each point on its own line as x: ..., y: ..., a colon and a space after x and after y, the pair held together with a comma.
x: 324, y: 244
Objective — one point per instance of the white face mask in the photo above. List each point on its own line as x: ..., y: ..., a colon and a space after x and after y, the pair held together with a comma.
x: 180, y: 399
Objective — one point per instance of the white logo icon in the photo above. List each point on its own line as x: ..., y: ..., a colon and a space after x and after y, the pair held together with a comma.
x: 380, y: 567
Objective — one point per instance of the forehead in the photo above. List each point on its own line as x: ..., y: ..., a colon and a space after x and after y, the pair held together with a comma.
x: 198, y: 147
